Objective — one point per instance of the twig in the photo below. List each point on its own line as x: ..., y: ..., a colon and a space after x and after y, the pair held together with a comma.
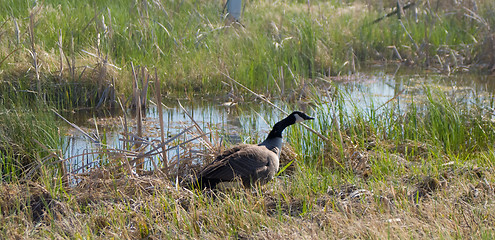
x: 134, y: 103
x: 139, y: 168
x: 208, y: 143
x: 92, y: 19
x: 65, y: 176
x: 96, y: 141
x: 33, y: 51
x: 275, y: 106
x: 59, y: 43
x: 128, y: 166
x: 145, y: 82
x: 152, y: 152
x: 396, y: 11
x: 396, y: 52
x: 73, y: 58
x: 29, y: 174
x: 8, y: 55
x: 409, y: 36
x: 3, y: 24
x: 393, y: 98
x: 125, y: 120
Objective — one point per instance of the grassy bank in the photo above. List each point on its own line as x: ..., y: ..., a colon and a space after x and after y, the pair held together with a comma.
x: 191, y: 44
x: 28, y: 138
x: 424, y: 170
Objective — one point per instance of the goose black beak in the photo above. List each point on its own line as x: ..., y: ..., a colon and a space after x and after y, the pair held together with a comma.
x: 309, y: 118
x: 305, y: 116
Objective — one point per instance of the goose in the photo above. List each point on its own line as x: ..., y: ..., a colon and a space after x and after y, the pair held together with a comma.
x: 251, y: 163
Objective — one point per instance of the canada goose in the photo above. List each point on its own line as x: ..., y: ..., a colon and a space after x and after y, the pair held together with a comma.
x: 250, y: 163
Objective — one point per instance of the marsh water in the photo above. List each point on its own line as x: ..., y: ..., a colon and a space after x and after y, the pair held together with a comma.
x: 249, y: 121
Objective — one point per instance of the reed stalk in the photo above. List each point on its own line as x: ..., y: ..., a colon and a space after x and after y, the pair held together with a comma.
x: 158, y: 95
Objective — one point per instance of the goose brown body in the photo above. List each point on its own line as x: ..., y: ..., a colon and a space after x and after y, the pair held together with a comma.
x: 249, y: 163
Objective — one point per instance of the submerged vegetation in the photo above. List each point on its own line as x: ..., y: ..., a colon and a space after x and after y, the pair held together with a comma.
x: 421, y: 167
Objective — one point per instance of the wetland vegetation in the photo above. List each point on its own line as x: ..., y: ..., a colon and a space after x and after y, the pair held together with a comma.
x: 419, y: 163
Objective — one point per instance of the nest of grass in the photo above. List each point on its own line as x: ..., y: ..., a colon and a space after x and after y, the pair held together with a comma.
x: 351, y: 158
x: 101, y: 186
x: 288, y: 156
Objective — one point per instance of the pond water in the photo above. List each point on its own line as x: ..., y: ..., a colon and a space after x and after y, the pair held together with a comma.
x: 227, y: 122
x: 367, y: 91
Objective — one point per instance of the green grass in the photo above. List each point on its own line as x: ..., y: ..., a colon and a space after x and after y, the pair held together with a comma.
x: 191, y: 45
x: 27, y: 137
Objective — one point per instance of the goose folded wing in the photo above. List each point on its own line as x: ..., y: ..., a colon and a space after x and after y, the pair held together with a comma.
x: 231, y: 151
x: 246, y: 162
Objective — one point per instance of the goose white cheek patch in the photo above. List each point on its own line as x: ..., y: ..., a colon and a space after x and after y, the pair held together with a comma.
x: 299, y: 118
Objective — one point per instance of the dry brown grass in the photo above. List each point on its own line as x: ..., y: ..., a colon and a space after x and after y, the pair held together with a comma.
x: 455, y: 203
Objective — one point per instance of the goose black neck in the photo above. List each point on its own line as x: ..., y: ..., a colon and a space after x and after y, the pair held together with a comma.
x: 279, y: 127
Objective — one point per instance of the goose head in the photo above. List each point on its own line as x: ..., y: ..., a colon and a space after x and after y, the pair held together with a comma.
x: 293, y: 118
x: 300, y: 116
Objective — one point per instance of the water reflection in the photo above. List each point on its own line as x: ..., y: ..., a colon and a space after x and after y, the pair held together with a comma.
x: 367, y: 92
